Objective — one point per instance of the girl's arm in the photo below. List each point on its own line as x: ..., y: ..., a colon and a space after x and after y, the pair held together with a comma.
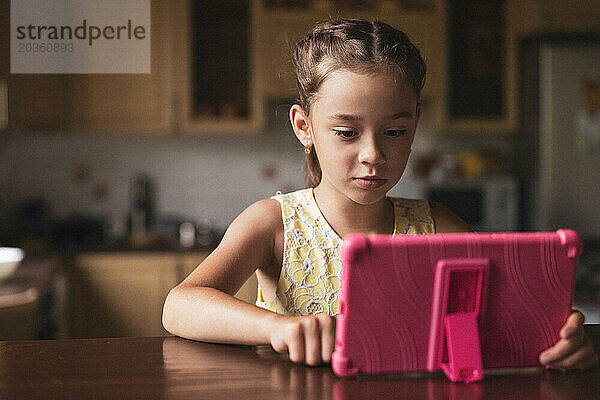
x: 202, y: 307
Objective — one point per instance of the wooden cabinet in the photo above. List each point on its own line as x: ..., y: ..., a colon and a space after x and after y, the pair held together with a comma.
x: 214, y: 64
x: 217, y: 67
x: 120, y: 294
x: 37, y: 102
x: 130, y: 103
x: 282, y: 27
x: 424, y: 22
x: 187, y: 262
x: 95, y: 103
x: 522, y: 17
x: 476, y: 78
x: 429, y: 23
x: 580, y: 16
x: 175, y: 97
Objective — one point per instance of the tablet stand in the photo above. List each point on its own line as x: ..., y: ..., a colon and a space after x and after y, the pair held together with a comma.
x: 454, y: 344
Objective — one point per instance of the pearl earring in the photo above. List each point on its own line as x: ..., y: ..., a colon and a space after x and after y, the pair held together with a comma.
x: 307, y: 150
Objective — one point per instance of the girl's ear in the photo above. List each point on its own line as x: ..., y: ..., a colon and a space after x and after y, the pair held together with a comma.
x: 301, y: 125
x: 418, y: 116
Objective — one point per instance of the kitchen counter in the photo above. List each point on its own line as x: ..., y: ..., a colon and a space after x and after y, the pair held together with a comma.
x: 175, y: 368
x: 36, y: 271
x: 31, y: 293
x: 92, y: 292
x: 127, y: 247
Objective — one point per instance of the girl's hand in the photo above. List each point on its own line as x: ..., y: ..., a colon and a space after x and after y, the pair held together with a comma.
x: 309, y: 340
x: 574, y: 350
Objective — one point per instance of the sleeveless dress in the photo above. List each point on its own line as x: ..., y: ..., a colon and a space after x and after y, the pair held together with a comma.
x: 310, y: 276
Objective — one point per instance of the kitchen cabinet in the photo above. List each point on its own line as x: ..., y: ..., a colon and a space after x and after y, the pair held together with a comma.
x: 476, y: 58
x: 95, y: 103
x: 426, y: 23
x: 188, y: 261
x: 217, y: 67
x: 215, y: 63
x: 581, y: 16
x: 522, y: 17
x: 120, y: 294
x: 429, y: 26
x: 282, y: 26
x: 34, y: 101
x: 130, y: 103
x: 176, y: 97
x: 501, y: 36
x: 38, y: 102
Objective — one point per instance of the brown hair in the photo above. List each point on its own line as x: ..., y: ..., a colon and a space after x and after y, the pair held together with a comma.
x: 354, y: 45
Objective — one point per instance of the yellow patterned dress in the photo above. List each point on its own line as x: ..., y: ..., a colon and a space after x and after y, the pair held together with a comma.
x: 310, y: 275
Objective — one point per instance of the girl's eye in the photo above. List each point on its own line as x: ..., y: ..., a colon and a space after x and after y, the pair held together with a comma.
x: 395, y: 132
x: 345, y: 134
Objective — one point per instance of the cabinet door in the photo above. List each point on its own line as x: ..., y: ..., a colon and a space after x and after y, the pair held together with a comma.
x: 189, y: 261
x: 35, y: 101
x: 283, y: 24
x: 568, y: 16
x: 120, y: 294
x: 130, y: 103
x: 280, y: 32
x: 480, y: 78
x: 217, y: 67
x: 38, y: 103
x: 93, y: 103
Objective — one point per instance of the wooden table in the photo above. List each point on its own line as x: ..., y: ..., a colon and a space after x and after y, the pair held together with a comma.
x: 174, y: 368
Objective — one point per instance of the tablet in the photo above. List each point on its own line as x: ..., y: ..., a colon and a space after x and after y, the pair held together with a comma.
x: 454, y: 302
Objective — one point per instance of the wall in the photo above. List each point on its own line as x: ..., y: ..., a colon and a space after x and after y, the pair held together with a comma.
x: 212, y: 178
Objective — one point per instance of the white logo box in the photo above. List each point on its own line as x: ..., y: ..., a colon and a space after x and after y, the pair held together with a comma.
x: 80, y: 37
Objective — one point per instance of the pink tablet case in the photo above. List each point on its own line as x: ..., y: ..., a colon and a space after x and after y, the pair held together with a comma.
x: 455, y: 302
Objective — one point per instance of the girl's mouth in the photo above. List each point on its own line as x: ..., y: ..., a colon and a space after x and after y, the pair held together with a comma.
x: 367, y: 182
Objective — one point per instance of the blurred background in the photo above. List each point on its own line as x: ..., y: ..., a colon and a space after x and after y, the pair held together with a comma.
x: 118, y: 185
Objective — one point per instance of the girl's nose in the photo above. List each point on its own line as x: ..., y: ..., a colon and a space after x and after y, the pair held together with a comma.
x: 370, y: 153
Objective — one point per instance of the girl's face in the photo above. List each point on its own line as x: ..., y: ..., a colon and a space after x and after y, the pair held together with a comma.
x: 362, y: 128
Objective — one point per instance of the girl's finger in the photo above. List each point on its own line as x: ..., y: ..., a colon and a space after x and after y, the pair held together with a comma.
x: 280, y: 348
x: 562, y: 349
x: 582, y: 359
x: 312, y: 341
x: 327, y: 338
x: 295, y: 344
x: 573, y: 325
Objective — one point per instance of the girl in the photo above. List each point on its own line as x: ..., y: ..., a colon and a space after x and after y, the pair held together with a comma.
x: 359, y: 85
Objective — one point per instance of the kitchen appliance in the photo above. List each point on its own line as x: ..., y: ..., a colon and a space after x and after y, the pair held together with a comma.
x: 557, y: 151
x: 141, y: 204
x: 488, y: 204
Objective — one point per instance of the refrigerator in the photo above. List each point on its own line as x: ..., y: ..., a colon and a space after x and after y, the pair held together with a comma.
x: 557, y: 148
